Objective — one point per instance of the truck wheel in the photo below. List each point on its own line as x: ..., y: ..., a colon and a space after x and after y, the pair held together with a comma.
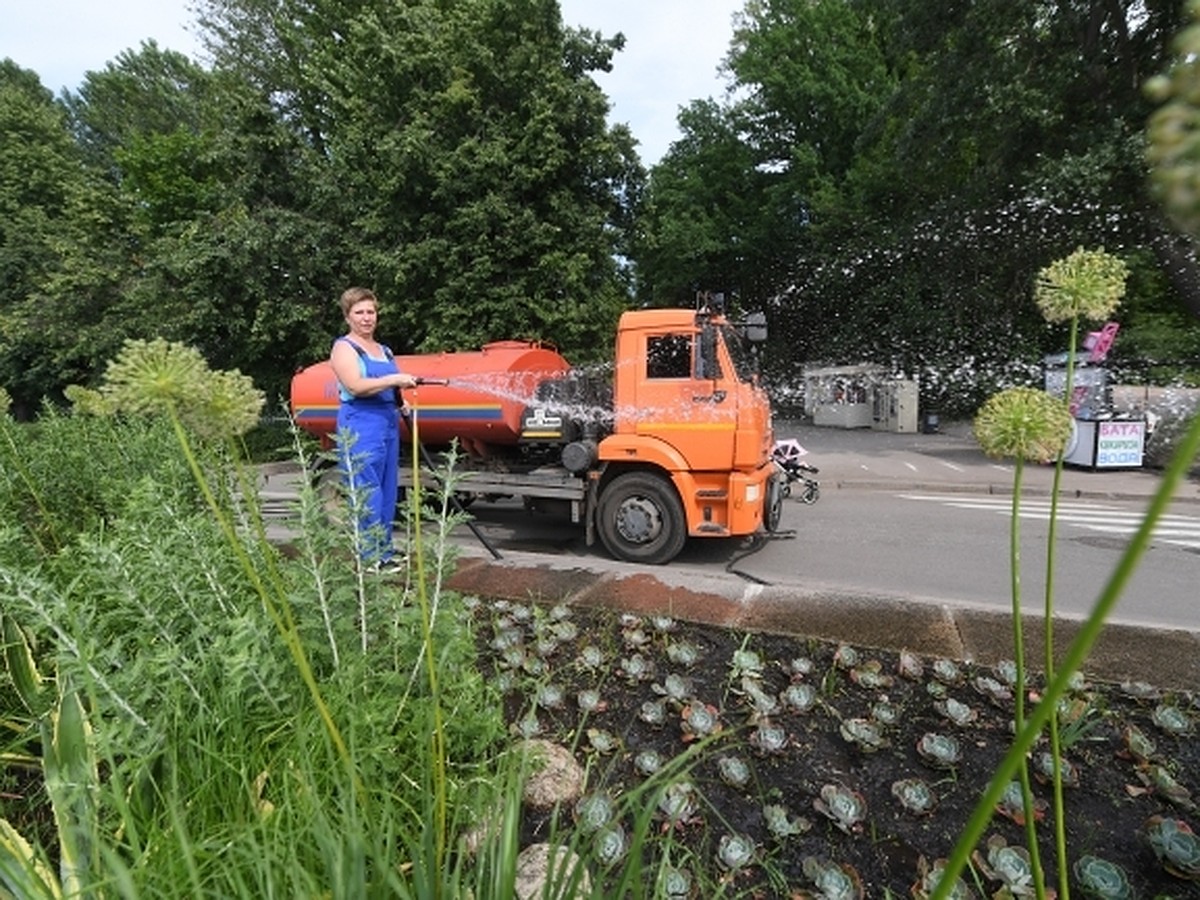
x: 641, y: 519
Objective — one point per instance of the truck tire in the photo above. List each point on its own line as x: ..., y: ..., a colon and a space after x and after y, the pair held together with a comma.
x: 641, y: 519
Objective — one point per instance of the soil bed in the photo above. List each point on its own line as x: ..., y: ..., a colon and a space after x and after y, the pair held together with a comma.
x: 528, y: 647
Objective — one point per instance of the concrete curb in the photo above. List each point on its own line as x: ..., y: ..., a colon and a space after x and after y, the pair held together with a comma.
x: 1169, y: 659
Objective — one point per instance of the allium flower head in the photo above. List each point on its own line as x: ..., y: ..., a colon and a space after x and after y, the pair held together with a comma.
x: 1088, y: 284
x: 231, y: 405
x: 1173, y: 131
x: 153, y: 376
x: 1023, y: 423
x: 88, y: 402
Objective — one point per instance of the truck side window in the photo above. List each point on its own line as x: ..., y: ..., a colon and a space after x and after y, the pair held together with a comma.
x: 669, y: 356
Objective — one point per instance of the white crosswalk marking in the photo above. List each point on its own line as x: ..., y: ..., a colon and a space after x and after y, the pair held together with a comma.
x: 1182, y: 531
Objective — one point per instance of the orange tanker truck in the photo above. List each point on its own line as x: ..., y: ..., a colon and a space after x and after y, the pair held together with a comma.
x: 671, y: 441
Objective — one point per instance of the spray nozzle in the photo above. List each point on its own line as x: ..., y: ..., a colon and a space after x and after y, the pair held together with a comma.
x: 441, y: 381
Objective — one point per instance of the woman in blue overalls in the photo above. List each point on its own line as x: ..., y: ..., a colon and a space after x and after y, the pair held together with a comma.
x: 368, y: 423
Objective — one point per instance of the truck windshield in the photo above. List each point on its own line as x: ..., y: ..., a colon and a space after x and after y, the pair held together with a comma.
x: 744, y: 360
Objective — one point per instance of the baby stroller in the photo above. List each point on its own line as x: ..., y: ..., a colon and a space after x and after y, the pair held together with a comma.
x: 787, y: 455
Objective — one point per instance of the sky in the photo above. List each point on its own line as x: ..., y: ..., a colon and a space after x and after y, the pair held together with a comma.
x: 673, y: 49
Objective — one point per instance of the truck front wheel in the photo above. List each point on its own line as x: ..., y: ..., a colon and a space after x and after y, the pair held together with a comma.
x: 641, y: 519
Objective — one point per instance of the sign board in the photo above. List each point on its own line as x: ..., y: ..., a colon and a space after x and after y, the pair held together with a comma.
x: 1120, y: 444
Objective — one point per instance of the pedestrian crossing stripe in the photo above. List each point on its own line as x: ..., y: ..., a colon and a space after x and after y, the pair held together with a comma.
x: 1178, y: 530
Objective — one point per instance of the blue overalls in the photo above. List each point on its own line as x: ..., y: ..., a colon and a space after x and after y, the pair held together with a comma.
x: 369, y: 455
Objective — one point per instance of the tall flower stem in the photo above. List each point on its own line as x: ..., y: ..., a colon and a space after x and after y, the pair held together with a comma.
x: 1031, y: 841
x: 1060, y: 825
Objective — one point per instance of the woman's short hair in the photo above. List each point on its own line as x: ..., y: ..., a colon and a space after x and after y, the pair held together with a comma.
x: 354, y: 295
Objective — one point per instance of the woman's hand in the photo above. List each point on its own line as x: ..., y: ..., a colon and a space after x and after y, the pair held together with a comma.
x: 405, y: 381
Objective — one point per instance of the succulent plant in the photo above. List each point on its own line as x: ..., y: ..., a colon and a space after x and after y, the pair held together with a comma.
x: 736, y: 851
x: 929, y: 877
x: 799, y: 697
x: 610, y: 844
x: 833, y: 881
x: 939, y: 750
x: 518, y: 612
x: 1043, y: 769
x: 1101, y: 880
x: 506, y: 638
x: 647, y: 762
x: 636, y: 667
x: 589, y: 701
x: 1173, y: 720
x: 551, y: 696
x: 957, y: 712
x: 635, y: 638
x: 675, y: 687
x: 529, y: 725
x: 845, y: 657
x: 559, y: 612
x: 590, y: 658
x: 999, y: 694
x: 781, y: 824
x: 842, y: 806
x: 915, y: 795
x: 603, y: 741
x: 864, y: 733
x: 533, y: 665
x: 507, y: 681
x: 1138, y: 745
x: 1139, y: 690
x: 1175, y: 845
x: 674, y: 883
x: 884, y: 712
x: 767, y: 737
x: 910, y: 666
x: 734, y: 771
x: 799, y: 667
x: 595, y: 811
x: 663, y: 624
x: 678, y: 804
x: 761, y: 703
x: 870, y: 675
x: 564, y: 631
x: 1006, y: 672
x: 699, y: 720
x: 1011, y: 804
x: 683, y: 653
x: 1164, y: 784
x: 545, y: 646
x: 947, y: 671
x: 937, y: 690
x: 1009, y: 865
x: 653, y: 712
x: 745, y: 663
x: 513, y: 657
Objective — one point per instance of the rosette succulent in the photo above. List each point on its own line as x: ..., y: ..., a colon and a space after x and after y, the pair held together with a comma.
x: 939, y: 750
x: 734, y: 771
x: 683, y: 653
x: 1009, y: 865
x: 915, y: 795
x: 699, y: 720
x: 781, y: 824
x: 1100, y: 879
x: 842, y: 806
x: 863, y: 733
x: 736, y: 851
x: 678, y: 804
x: 595, y: 811
x: 833, y: 881
x: 1175, y: 844
x: 1172, y: 720
x: 799, y: 697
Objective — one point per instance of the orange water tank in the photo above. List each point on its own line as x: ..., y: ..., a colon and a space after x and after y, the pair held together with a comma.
x: 480, y: 404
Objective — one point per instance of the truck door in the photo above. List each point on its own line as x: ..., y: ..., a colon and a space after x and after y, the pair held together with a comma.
x: 685, y: 399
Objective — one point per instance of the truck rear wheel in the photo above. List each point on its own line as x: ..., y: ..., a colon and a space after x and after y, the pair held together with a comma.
x: 641, y: 519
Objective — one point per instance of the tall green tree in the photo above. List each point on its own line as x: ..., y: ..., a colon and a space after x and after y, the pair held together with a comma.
x: 463, y: 152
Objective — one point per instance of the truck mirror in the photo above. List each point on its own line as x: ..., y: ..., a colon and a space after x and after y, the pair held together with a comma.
x: 756, y: 327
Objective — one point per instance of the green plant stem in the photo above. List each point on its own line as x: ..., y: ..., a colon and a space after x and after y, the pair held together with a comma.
x: 438, y: 736
x: 1073, y: 659
x: 21, y: 471
x: 1060, y: 824
x: 1014, y: 526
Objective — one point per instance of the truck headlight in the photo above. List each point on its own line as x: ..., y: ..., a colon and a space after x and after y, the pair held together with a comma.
x: 752, y: 493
